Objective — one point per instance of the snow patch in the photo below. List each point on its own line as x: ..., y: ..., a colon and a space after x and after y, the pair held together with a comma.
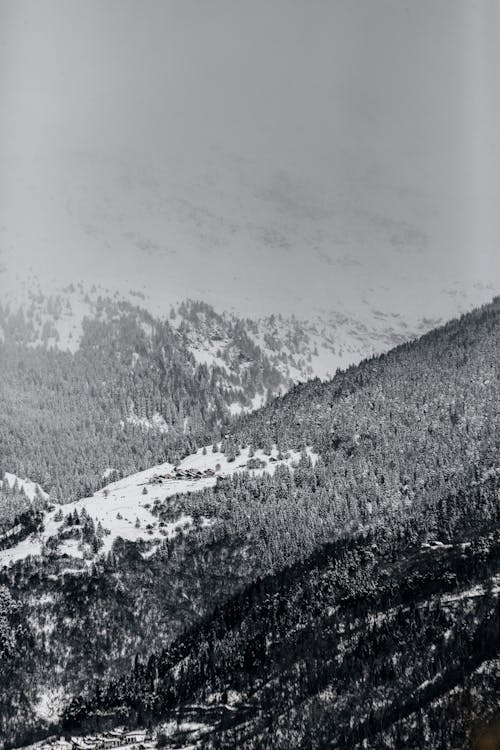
x: 30, y: 489
x: 157, y: 422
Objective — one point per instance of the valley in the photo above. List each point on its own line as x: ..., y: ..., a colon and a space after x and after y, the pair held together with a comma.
x: 249, y: 592
x: 249, y: 375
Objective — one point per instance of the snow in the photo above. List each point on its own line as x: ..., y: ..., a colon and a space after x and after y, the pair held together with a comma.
x: 426, y: 683
x: 70, y: 325
x: 435, y: 545
x: 206, y: 355
x: 120, y: 504
x: 157, y: 422
x: 319, y: 344
x: 194, y: 728
x: 256, y: 402
x: 474, y: 592
x: 50, y: 704
x: 29, y: 488
x: 62, y: 310
x: 29, y: 546
x: 236, y: 408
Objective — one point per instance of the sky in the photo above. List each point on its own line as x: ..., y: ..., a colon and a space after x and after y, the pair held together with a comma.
x: 266, y: 155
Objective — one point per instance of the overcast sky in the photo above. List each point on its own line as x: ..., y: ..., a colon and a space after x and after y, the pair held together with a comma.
x: 353, y: 142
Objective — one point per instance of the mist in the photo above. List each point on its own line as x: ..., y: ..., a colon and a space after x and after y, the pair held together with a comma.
x: 264, y: 156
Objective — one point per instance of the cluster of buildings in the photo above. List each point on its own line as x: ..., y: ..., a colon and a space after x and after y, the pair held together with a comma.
x: 116, y: 738
x: 179, y: 473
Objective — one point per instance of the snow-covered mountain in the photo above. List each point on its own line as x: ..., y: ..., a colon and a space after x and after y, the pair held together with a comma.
x: 296, y: 349
x: 246, y: 239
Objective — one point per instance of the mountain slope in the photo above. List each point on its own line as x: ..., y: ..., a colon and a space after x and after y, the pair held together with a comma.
x: 317, y: 656
x: 408, y: 456
x: 298, y: 348
x: 128, y: 508
x: 105, y: 386
x: 130, y: 394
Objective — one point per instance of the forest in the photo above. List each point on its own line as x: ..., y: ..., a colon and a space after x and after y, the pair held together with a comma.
x: 287, y: 618
x: 88, y: 415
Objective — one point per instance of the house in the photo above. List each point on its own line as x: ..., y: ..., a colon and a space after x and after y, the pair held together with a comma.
x: 209, y: 473
x: 108, y: 742
x: 80, y: 744
x: 111, y: 739
x: 155, y: 479
x: 132, y: 738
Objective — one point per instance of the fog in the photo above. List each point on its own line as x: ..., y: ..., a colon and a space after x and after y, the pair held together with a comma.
x: 262, y: 155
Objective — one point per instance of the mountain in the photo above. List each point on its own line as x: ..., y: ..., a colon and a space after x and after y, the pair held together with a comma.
x: 105, y: 385
x: 299, y: 348
x: 347, y: 519
x: 285, y: 663
x: 256, y: 243
x: 131, y: 390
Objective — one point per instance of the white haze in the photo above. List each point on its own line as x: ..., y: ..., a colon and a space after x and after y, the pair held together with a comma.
x: 265, y: 156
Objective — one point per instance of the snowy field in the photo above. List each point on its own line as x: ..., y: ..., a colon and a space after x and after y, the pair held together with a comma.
x: 124, y: 510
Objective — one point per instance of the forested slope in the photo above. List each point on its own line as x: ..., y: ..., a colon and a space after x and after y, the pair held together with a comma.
x: 131, y: 394
x: 371, y: 642
x: 306, y: 583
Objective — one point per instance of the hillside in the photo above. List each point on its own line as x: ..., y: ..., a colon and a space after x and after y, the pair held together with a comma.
x: 315, y: 656
x: 128, y: 509
x: 299, y: 348
x: 106, y: 386
x: 131, y: 393
x: 371, y: 545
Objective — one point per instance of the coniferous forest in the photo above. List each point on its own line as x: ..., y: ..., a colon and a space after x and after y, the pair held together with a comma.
x: 87, y: 412
x: 348, y: 601
x: 249, y: 375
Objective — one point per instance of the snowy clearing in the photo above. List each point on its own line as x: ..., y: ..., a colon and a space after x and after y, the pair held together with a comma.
x: 157, y: 422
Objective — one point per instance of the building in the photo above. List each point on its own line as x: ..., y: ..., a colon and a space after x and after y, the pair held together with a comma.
x: 132, y: 738
x: 78, y: 743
